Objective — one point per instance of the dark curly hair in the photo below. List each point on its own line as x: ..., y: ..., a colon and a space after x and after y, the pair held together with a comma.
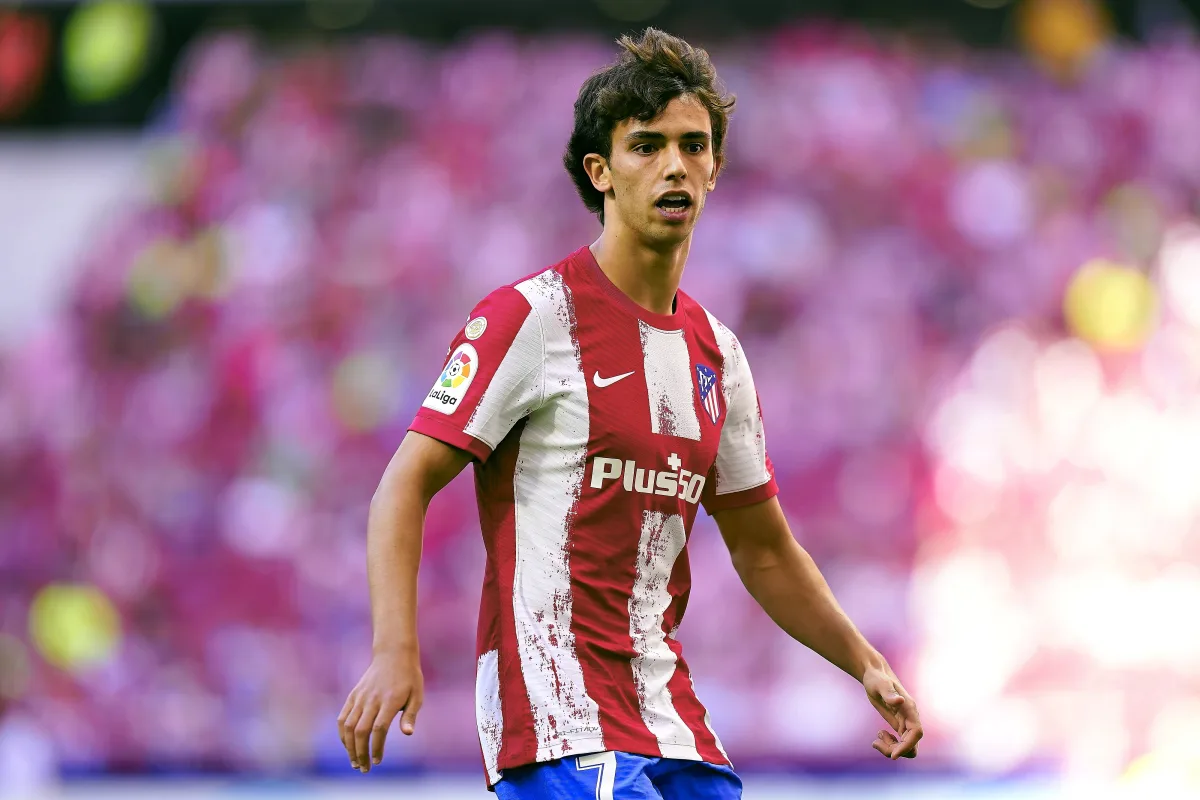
x: 651, y: 72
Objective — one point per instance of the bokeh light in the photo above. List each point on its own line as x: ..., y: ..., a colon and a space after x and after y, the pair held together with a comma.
x: 1062, y: 34
x: 74, y: 626
x: 24, y: 57
x: 1163, y: 775
x: 107, y: 45
x: 1111, y: 306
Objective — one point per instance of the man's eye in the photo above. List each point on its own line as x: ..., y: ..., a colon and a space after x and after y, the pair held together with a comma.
x: 695, y: 147
x: 644, y: 149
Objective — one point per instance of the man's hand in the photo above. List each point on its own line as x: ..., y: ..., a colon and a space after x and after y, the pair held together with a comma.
x: 898, y: 709
x: 393, y: 683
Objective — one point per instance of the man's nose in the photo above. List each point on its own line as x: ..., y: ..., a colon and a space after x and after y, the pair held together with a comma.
x: 674, y: 168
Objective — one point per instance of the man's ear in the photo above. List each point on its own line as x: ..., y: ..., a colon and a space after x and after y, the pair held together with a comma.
x: 596, y: 166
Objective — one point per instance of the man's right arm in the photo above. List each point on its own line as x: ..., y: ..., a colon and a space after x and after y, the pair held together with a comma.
x: 393, y: 682
x: 491, y: 377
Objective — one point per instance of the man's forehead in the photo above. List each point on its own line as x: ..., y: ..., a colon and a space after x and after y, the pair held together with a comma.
x: 683, y: 113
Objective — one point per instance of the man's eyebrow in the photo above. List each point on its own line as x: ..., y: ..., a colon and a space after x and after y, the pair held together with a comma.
x: 643, y: 135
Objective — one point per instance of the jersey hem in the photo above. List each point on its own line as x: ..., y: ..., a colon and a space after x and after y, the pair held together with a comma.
x: 570, y: 748
x: 449, y: 434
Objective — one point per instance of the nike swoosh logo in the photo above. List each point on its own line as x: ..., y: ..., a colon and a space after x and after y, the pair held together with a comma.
x: 602, y: 382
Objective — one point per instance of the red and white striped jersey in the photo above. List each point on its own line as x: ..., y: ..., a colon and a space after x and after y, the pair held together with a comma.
x: 598, y: 429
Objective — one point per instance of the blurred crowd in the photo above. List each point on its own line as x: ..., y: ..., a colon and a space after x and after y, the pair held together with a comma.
x: 186, y: 459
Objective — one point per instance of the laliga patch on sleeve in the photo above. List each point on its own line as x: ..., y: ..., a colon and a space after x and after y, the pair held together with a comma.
x: 451, y: 386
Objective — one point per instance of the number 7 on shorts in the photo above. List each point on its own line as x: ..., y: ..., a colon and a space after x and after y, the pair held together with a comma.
x: 607, y: 764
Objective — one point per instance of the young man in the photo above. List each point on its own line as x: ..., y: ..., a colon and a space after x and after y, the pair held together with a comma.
x: 602, y: 406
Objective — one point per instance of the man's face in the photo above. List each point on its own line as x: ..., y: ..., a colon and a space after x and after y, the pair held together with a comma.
x: 660, y: 172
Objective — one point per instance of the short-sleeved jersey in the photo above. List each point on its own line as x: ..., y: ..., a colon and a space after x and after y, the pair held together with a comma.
x: 598, y: 428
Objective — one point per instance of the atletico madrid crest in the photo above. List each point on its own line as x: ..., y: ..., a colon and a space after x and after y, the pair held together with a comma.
x: 706, y: 380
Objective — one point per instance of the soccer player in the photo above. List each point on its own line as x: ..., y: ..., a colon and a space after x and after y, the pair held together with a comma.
x: 602, y: 407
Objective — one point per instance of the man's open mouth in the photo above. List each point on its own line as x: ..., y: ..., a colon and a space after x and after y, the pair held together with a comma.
x: 674, y: 202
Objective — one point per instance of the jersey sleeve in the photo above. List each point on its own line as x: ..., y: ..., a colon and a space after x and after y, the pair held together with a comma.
x: 742, y: 474
x: 493, y: 377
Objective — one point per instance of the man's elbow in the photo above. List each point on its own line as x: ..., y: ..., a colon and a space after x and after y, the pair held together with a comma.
x: 400, y: 483
x: 753, y: 554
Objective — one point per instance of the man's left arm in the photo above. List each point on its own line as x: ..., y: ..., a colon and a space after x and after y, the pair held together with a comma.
x: 782, y: 577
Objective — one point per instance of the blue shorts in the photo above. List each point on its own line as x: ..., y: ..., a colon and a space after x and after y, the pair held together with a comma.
x: 619, y: 776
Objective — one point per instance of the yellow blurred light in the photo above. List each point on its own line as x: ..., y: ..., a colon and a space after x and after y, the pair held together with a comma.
x: 1171, y: 733
x: 365, y: 391
x: 167, y: 272
x: 106, y: 48
x: 1111, y: 306
x: 158, y: 280
x: 74, y: 626
x: 14, y: 668
x: 1062, y: 34
x: 1162, y: 775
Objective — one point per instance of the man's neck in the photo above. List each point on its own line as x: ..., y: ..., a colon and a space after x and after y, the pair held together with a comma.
x: 648, y: 277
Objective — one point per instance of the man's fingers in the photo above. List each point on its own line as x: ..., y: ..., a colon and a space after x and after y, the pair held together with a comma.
x: 346, y: 722
x: 379, y: 732
x: 362, y: 735
x: 408, y: 722
x: 899, y: 710
x: 884, y: 742
x: 907, y: 747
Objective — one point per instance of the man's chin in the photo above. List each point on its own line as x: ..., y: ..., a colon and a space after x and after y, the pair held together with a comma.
x: 668, y: 228
x: 663, y: 236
